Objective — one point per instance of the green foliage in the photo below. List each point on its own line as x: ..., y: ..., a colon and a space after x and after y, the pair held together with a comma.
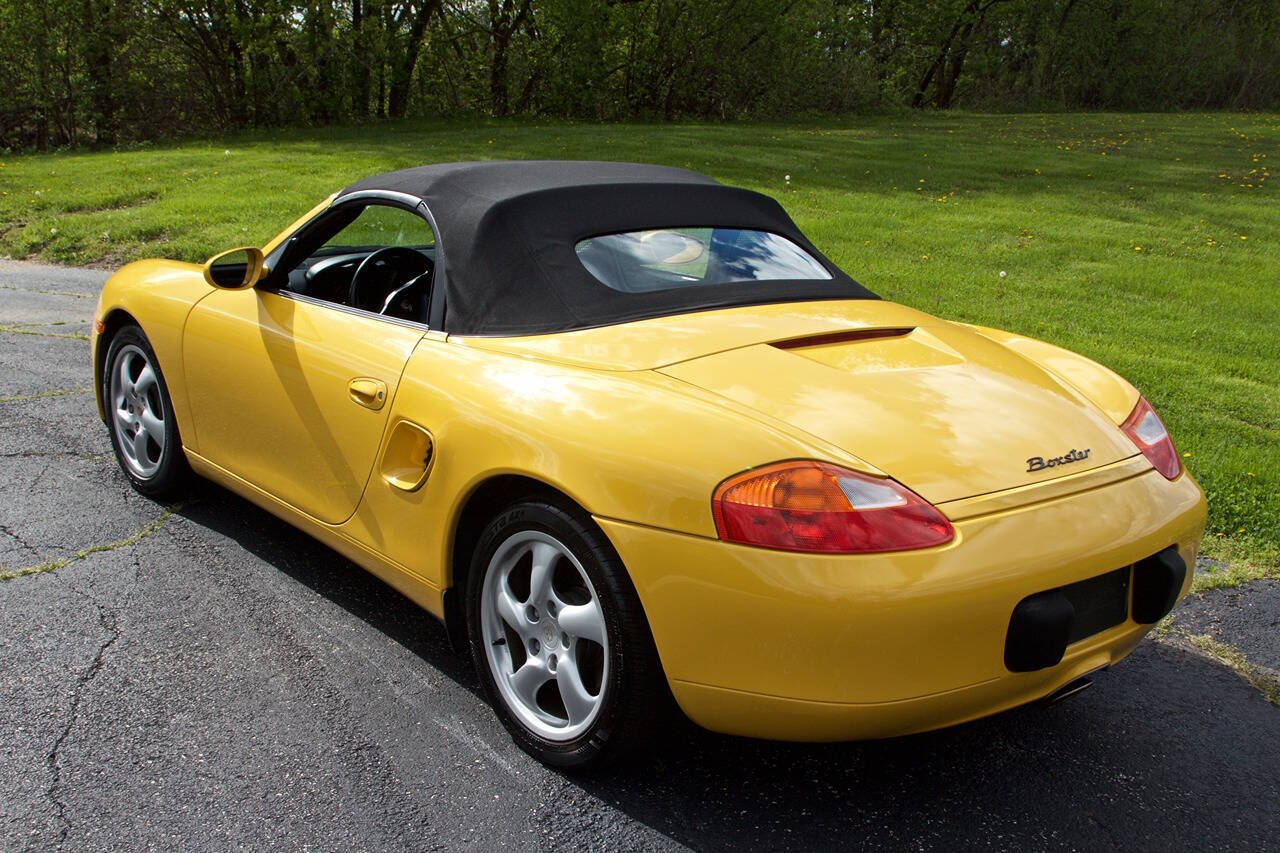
x: 1240, y: 501
x: 101, y: 72
x: 384, y: 226
x: 1150, y: 243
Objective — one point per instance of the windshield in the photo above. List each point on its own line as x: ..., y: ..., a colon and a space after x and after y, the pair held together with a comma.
x: 670, y: 258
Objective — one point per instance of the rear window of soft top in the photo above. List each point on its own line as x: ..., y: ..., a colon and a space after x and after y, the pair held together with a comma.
x: 671, y: 258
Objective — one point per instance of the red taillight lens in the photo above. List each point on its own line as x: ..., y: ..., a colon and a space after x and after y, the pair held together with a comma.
x: 1146, y: 430
x: 813, y: 506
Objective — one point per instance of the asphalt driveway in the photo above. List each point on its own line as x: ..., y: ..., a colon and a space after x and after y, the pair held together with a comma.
x: 205, y: 677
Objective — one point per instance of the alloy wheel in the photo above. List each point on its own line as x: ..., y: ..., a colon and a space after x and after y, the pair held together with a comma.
x: 544, y: 634
x: 137, y: 411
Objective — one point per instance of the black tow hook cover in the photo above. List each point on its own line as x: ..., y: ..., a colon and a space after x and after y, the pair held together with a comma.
x: 1038, y: 631
x: 1157, y: 580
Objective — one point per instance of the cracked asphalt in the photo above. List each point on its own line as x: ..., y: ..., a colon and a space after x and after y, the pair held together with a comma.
x: 209, y: 678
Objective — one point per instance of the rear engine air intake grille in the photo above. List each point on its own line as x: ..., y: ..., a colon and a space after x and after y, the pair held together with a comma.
x: 1044, y: 624
x: 842, y: 338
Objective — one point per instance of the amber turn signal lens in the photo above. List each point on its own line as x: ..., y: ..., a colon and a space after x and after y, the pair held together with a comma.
x: 1146, y: 430
x: 818, y: 507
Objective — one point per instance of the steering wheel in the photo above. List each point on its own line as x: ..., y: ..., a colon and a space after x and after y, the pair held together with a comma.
x: 381, y: 273
x: 409, y: 300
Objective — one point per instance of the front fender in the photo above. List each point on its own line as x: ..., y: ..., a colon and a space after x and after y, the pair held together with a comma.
x: 158, y: 295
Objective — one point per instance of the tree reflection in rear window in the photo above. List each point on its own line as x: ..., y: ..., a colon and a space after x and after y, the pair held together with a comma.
x: 669, y: 258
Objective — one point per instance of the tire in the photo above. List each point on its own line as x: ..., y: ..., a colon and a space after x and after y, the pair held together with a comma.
x: 626, y: 693
x: 138, y: 403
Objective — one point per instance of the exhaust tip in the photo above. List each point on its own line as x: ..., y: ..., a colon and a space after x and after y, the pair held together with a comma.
x: 1067, y: 690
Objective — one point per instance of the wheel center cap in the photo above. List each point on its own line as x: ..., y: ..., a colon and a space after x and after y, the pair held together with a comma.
x: 550, y: 635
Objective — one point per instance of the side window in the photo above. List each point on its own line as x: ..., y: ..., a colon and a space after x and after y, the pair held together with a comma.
x: 379, y: 226
x: 379, y: 259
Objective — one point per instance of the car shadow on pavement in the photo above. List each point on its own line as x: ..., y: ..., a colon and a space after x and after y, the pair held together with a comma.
x: 331, y: 575
x: 1162, y: 747
x: 1166, y: 749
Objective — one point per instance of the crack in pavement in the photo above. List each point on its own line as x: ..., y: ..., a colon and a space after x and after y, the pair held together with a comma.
x: 1236, y: 575
x: 35, y: 481
x: 450, y: 725
x: 42, y: 454
x: 68, y: 293
x: 17, y: 537
x: 1263, y: 679
x: 62, y: 562
x: 55, y: 767
x: 18, y: 330
x: 44, y: 395
x: 109, y: 620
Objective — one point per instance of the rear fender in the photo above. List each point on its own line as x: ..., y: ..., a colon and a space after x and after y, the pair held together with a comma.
x: 1105, y: 388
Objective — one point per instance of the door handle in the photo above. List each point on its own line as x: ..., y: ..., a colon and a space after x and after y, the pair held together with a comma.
x: 370, y: 393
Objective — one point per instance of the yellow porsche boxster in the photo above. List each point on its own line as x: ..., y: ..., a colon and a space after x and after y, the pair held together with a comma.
x: 635, y: 439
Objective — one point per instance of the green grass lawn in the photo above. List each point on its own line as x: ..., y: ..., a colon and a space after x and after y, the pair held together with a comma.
x: 1148, y: 242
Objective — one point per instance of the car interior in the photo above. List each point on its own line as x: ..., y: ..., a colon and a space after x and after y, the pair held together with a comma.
x: 376, y: 258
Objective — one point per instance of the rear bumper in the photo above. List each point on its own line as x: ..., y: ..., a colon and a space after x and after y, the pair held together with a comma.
x: 776, y: 718
x: 804, y: 647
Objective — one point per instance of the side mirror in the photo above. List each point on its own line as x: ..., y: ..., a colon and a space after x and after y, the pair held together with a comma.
x: 235, y: 270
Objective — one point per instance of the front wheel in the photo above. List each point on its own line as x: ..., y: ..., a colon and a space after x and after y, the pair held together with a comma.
x: 144, y: 431
x: 559, y: 638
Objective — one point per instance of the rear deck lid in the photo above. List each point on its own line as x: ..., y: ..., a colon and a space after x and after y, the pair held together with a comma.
x: 943, y: 410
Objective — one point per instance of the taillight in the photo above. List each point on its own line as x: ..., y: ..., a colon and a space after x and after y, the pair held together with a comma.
x: 1146, y: 430
x: 814, y: 506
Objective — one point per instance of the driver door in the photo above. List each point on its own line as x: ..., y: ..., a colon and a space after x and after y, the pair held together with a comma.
x: 290, y: 392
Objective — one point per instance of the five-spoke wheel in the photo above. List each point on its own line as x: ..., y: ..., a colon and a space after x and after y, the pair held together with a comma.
x: 137, y: 410
x: 139, y: 414
x: 559, y: 637
x: 544, y: 634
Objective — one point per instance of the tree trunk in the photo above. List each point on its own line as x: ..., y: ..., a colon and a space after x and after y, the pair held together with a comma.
x: 498, y: 75
x: 884, y: 41
x: 951, y: 69
x: 499, y: 17
x: 360, y: 63
x: 318, y: 38
x: 927, y: 80
x: 949, y: 62
x: 1050, y: 69
x: 402, y: 70
x: 505, y: 20
x: 96, y: 43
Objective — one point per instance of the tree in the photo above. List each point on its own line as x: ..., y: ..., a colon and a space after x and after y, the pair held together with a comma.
x: 951, y: 53
x: 103, y: 72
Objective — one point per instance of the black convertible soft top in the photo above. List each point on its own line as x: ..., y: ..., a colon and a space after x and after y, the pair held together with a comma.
x: 508, y: 231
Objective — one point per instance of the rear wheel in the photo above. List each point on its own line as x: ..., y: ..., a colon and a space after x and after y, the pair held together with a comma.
x: 144, y: 432
x: 559, y: 638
